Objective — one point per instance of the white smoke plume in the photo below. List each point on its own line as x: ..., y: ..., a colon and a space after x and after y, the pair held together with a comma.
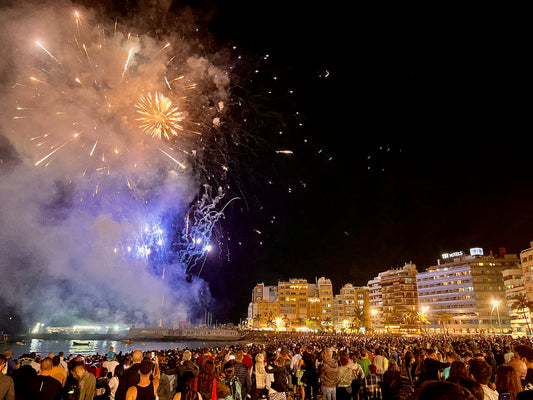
x: 80, y: 180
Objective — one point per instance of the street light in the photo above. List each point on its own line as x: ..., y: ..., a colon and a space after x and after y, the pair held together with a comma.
x: 496, y: 304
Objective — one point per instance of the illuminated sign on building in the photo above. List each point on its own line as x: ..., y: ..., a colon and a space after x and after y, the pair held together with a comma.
x: 476, y: 251
x: 451, y: 255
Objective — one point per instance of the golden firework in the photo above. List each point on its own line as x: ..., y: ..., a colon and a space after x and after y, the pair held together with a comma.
x: 159, y: 117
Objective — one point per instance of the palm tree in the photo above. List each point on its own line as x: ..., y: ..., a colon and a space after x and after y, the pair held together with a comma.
x: 327, y: 321
x: 443, y: 317
x: 520, y: 302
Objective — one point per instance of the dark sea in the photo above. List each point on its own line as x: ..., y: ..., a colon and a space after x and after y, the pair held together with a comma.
x: 90, y: 347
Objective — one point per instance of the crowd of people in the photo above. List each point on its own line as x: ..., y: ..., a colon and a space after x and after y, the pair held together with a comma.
x: 290, y: 366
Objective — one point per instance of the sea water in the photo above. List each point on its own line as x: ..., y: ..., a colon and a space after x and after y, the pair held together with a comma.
x: 91, y: 347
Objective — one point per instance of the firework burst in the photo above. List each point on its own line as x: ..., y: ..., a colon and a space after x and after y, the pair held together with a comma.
x: 158, y: 116
x: 98, y: 92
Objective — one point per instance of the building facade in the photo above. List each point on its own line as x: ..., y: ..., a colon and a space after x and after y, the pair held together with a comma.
x: 466, y: 293
x: 399, y: 296
x: 325, y: 293
x: 526, y: 258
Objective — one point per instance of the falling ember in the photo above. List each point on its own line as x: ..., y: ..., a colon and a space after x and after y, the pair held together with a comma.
x: 164, y: 47
x: 284, y: 151
x: 127, y: 62
x: 172, y: 158
x: 94, y: 147
x: 158, y: 116
x: 47, y: 52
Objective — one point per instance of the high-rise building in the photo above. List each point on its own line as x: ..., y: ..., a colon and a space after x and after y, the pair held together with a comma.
x: 376, y: 303
x: 466, y: 293
x: 264, y: 307
x: 399, y: 295
x: 325, y: 293
x: 526, y: 257
x: 514, y: 289
x: 351, y: 308
x: 293, y: 302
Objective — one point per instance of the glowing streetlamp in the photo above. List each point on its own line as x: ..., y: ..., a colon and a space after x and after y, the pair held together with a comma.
x: 496, y: 304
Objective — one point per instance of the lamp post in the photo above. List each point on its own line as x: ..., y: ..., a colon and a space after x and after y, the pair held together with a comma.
x: 496, y: 304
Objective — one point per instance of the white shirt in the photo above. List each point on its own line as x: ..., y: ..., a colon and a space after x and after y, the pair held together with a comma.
x: 489, y: 394
x: 110, y: 365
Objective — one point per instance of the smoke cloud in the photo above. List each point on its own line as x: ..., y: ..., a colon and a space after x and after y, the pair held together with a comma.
x: 90, y: 204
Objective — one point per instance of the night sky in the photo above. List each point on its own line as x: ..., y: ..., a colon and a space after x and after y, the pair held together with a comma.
x: 423, y: 115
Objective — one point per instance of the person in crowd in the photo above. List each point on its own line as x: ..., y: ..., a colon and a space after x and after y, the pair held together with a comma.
x: 432, y: 367
x: 392, y: 382
x: 508, y: 355
x: 364, y: 361
x: 482, y: 372
x: 209, y: 384
x: 57, y: 372
x: 310, y: 374
x: 114, y: 380
x: 524, y: 353
x: 451, y: 356
x: 62, y: 363
x: 36, y: 363
x: 131, y: 375
x: 259, y: 378
x: 7, y: 387
x: 110, y: 364
x: 102, y: 385
x: 372, y: 388
x: 187, y: 391
x: 442, y: 390
x: 458, y: 370
x: 242, y: 372
x: 146, y: 388
x: 9, y: 362
x: 508, y: 381
x: 379, y: 361
x: 473, y: 386
x: 278, y: 375
x: 187, y: 364
x: 345, y: 376
x: 232, y: 381
x: 86, y: 387
x: 328, y: 375
x: 44, y: 386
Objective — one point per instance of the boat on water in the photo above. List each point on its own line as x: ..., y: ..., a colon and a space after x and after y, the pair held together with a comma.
x: 75, y: 343
x: 127, y: 341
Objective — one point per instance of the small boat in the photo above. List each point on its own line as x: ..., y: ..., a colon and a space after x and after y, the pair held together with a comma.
x: 81, y: 343
x: 127, y: 341
x: 20, y: 343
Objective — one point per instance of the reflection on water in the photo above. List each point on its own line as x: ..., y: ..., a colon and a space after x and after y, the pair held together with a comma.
x: 90, y: 347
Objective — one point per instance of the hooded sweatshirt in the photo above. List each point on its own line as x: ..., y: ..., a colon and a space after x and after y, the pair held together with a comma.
x: 328, y: 373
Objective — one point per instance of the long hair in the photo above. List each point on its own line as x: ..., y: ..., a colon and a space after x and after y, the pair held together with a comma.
x: 206, y: 376
x: 507, y: 380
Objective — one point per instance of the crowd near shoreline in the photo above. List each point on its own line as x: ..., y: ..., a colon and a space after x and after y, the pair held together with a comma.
x: 286, y: 365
